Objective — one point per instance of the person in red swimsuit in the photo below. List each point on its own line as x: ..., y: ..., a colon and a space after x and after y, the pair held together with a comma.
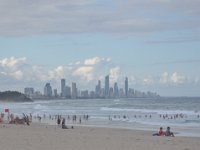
x: 160, y: 132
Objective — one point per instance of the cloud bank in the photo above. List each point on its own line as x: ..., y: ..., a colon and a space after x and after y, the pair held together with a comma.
x: 39, y: 17
x: 17, y: 73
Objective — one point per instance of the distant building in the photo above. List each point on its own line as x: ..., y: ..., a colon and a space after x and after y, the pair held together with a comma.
x: 84, y: 94
x: 121, y: 92
x: 92, y: 94
x: 107, y: 86
x: 131, y: 92
x: 126, y: 87
x: 74, y: 91
x: 28, y: 91
x: 116, y: 90
x: 111, y: 93
x: 55, y: 92
x: 48, y: 90
x: 63, y: 94
x: 98, y: 89
x: 68, y: 91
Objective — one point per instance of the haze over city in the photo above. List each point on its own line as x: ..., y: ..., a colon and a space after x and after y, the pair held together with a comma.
x: 155, y: 43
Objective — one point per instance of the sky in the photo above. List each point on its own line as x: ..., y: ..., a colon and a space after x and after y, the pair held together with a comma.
x: 155, y: 43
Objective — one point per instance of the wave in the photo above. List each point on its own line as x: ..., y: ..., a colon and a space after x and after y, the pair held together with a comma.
x: 155, y: 111
x: 40, y: 107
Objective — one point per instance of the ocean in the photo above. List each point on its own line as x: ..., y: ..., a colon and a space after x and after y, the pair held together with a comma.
x: 180, y: 113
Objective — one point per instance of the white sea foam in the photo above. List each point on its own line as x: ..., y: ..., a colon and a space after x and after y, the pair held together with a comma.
x: 150, y: 111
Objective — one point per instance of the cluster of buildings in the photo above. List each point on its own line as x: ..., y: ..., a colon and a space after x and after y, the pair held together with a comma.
x: 72, y: 92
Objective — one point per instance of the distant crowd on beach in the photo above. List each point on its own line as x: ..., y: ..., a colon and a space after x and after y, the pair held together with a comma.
x: 74, y: 119
x: 12, y: 119
x: 61, y: 119
x: 165, y: 116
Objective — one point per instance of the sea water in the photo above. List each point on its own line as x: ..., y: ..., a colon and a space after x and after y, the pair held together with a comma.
x: 181, y: 114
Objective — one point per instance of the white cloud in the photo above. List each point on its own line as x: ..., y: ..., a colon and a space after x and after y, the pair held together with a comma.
x: 148, y: 81
x: 177, y: 79
x: 78, y: 63
x: 114, y: 74
x: 85, y: 73
x: 18, y: 75
x: 57, y: 73
x: 92, y: 61
x: 174, y: 78
x: 108, y: 59
x: 164, y: 78
x: 12, y: 62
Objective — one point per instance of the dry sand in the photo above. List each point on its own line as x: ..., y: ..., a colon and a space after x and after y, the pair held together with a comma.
x: 44, y: 137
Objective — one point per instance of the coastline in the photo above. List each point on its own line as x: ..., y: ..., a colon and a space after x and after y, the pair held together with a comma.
x: 46, y: 137
x: 122, y: 114
x: 180, y: 131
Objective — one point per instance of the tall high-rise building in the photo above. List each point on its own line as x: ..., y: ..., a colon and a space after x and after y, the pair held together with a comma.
x: 63, y: 88
x: 68, y: 91
x: 107, y: 86
x: 55, y: 92
x: 98, y: 89
x: 111, y: 92
x: 74, y: 91
x: 116, y: 90
x: 48, y: 90
x: 126, y: 87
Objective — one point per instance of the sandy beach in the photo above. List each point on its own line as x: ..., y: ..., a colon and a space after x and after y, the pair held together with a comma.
x: 46, y: 137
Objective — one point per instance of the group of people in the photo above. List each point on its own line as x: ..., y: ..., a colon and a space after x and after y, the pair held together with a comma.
x: 62, y: 122
x: 168, y: 132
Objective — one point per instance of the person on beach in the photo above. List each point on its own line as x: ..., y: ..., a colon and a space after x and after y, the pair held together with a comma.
x: 160, y: 132
x: 168, y: 132
x: 58, y: 120
x: 63, y: 124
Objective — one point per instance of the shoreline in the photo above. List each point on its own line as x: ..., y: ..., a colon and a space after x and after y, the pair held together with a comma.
x: 180, y: 131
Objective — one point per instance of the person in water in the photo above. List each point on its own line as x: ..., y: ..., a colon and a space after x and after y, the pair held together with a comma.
x: 168, y: 132
x: 160, y: 132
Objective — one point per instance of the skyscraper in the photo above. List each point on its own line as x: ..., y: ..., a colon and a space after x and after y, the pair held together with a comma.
x: 116, y: 90
x: 126, y: 87
x: 74, y: 91
x: 68, y: 91
x: 98, y: 89
x: 107, y: 86
x: 48, y: 90
x: 63, y: 88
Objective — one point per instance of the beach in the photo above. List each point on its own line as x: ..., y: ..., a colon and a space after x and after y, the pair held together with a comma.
x: 48, y: 137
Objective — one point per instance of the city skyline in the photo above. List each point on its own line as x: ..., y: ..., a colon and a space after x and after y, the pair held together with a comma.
x: 73, y: 92
x: 154, y: 43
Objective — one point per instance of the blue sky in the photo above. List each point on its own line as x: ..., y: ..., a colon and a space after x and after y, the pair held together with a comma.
x: 154, y: 42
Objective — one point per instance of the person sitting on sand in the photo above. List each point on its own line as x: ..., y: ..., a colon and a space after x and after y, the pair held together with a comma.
x: 63, y: 124
x: 168, y: 132
x: 160, y: 132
